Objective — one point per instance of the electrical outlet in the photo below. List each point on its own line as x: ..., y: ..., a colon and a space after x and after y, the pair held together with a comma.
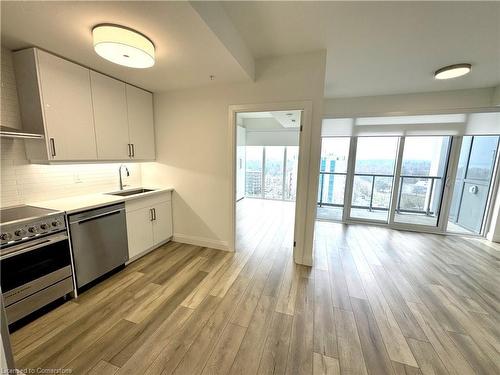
x: 76, y: 178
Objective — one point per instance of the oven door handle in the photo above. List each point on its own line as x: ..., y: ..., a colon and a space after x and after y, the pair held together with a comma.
x: 24, y: 248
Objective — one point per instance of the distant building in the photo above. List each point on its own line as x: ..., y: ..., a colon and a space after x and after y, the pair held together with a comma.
x: 253, y: 183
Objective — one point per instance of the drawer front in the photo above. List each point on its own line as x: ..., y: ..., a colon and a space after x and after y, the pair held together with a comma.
x: 147, y: 202
x: 32, y: 303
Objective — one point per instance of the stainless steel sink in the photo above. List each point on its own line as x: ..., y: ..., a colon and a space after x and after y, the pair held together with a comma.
x: 126, y: 193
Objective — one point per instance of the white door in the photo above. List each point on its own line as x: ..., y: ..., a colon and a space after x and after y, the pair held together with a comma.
x: 162, y: 225
x: 140, y: 121
x: 67, y: 102
x: 110, y: 116
x: 139, y: 231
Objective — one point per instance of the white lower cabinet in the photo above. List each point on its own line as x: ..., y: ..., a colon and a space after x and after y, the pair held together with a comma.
x: 139, y: 232
x: 149, y: 223
x: 162, y: 223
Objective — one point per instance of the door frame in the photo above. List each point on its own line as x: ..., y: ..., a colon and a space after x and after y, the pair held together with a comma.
x: 302, y: 251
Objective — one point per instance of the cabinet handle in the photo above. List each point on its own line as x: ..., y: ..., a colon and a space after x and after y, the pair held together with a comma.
x: 129, y: 150
x: 133, y: 150
x: 52, y: 147
x: 151, y: 218
x: 154, y: 213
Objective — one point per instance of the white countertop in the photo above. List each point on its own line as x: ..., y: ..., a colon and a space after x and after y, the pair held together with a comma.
x: 89, y: 201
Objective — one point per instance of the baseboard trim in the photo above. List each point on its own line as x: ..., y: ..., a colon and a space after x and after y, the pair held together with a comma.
x: 493, y: 238
x: 138, y: 256
x: 201, y: 241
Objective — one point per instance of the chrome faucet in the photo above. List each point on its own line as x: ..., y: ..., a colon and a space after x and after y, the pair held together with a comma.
x: 120, y: 174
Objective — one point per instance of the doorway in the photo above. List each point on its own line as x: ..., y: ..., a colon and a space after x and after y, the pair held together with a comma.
x: 266, y: 178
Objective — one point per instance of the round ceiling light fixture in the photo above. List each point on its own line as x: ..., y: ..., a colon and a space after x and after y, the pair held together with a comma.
x: 452, y: 71
x: 123, y: 46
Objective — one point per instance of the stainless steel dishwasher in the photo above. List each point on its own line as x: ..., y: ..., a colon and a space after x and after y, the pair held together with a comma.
x: 99, y: 241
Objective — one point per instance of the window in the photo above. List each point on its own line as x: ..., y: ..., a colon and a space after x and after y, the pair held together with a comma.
x: 271, y: 172
x: 332, y: 178
x: 253, y: 173
x: 273, y: 177
x: 292, y: 166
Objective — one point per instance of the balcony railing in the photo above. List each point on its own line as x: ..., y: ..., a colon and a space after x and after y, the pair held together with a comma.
x: 427, y: 200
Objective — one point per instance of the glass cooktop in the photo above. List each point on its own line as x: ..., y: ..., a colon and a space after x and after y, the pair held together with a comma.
x: 11, y: 214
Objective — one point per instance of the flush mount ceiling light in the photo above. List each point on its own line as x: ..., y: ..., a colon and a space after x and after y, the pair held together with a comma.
x: 123, y: 46
x: 452, y: 71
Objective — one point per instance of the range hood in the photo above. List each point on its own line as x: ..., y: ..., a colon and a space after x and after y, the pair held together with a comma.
x: 8, y: 132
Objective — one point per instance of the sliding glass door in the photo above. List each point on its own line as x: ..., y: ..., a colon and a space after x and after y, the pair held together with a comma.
x: 373, y: 178
x: 472, y: 184
x: 425, y: 183
x: 421, y: 180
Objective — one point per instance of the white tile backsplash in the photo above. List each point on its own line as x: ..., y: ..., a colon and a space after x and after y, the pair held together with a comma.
x: 10, y: 115
x: 22, y: 182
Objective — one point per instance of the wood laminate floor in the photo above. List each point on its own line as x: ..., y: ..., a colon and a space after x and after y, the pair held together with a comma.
x: 377, y: 301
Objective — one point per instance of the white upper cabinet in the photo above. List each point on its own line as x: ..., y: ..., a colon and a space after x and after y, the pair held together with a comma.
x: 55, y: 100
x: 110, y: 117
x: 84, y: 115
x: 67, y: 101
x: 140, y: 121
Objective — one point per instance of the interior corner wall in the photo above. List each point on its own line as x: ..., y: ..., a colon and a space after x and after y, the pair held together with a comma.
x: 493, y: 233
x: 496, y: 97
x: 192, y: 135
x: 409, y: 103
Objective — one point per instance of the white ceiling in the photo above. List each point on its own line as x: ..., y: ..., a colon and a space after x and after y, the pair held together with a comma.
x: 270, y: 120
x: 376, y: 48
x: 373, y: 48
x: 186, y: 49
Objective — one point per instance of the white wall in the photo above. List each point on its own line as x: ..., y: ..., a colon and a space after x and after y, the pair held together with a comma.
x: 241, y: 142
x: 496, y: 97
x: 493, y: 233
x: 21, y: 182
x: 199, y: 118
x: 409, y: 103
x: 273, y: 138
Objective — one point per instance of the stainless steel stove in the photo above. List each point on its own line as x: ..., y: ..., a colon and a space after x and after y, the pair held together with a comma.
x: 35, y: 259
x: 22, y: 223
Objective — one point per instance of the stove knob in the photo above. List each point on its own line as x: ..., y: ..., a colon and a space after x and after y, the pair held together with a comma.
x: 32, y: 229
x: 6, y: 236
x: 56, y: 223
x: 44, y: 226
x: 20, y: 232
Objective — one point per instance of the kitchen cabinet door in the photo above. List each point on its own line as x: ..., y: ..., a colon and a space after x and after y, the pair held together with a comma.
x: 110, y: 117
x: 162, y: 225
x: 139, y: 231
x: 140, y: 122
x: 67, y: 108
